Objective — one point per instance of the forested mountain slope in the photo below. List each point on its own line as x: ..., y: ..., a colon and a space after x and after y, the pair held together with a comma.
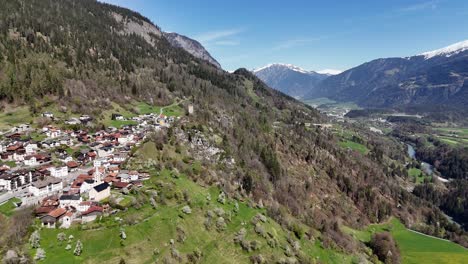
x: 430, y: 82
x: 83, y: 55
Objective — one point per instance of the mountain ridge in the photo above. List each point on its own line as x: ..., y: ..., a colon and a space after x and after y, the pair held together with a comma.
x: 191, y: 46
x: 289, y: 79
x: 431, y: 78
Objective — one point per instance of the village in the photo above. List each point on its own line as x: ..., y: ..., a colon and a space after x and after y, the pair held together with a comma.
x: 68, y: 175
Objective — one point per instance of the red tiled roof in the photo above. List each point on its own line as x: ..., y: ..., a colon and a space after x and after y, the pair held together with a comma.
x: 72, y: 164
x: 57, y: 212
x: 92, y: 209
x: 44, y: 210
x: 14, y: 147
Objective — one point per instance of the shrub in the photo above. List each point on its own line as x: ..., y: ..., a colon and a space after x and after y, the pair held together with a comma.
x: 40, y: 254
x: 384, y: 246
x: 220, y: 224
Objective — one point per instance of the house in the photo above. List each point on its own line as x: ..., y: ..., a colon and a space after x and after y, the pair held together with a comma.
x: 50, y: 219
x: 53, y: 133
x: 47, y: 186
x: 30, y: 148
x: 66, y: 159
x: 91, y: 214
x: 105, y: 151
x: 84, y: 206
x: 59, y: 172
x: 124, y: 177
x: 100, y: 192
x: 70, y: 200
x: 48, y: 114
x: 124, y: 139
x: 72, y: 165
x: 66, y: 220
x: 117, y: 117
x: 30, y: 161
x: 87, y: 185
x: 73, y: 121
x: 85, y: 118
x: 5, y: 182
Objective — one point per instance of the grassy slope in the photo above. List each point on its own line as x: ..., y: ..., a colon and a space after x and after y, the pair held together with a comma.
x: 414, y: 247
x: 14, y: 116
x: 8, y: 207
x: 417, y: 174
x: 103, y: 245
x: 354, y: 146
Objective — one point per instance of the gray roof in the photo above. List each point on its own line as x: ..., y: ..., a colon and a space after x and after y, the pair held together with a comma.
x: 46, y: 182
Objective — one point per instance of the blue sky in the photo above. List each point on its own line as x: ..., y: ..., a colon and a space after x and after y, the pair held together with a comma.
x: 314, y: 35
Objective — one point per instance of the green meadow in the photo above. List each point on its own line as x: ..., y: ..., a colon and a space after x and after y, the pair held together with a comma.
x: 414, y: 247
x: 148, y: 240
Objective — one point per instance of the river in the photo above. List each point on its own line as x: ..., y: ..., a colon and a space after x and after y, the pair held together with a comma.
x: 426, y: 167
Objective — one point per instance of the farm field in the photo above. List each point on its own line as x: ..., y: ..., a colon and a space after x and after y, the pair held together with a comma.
x: 453, y: 136
x: 415, y: 247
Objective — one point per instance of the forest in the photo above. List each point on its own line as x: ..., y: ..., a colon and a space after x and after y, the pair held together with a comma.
x: 75, y: 51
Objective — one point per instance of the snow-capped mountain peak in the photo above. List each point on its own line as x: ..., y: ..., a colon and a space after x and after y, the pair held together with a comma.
x: 330, y: 72
x: 447, y: 51
x: 283, y: 65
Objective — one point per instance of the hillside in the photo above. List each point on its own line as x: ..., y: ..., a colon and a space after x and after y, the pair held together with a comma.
x: 289, y: 79
x: 89, y: 57
x: 435, y: 79
x: 191, y: 46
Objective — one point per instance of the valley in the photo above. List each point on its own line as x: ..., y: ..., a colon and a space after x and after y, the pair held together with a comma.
x: 123, y: 143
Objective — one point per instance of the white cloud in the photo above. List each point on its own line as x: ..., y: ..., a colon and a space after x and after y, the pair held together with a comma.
x: 291, y: 43
x: 421, y: 6
x: 220, y: 38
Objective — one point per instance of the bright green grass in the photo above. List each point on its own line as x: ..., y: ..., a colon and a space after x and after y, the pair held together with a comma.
x: 10, y: 164
x: 15, y: 116
x: 159, y: 226
x: 8, y: 207
x: 121, y: 123
x: 417, y: 174
x: 171, y: 110
x: 319, y: 101
x: 416, y: 248
x: 354, y: 146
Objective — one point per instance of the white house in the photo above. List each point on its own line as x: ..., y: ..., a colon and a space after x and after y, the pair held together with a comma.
x: 47, y: 186
x: 18, y: 157
x: 105, y: 151
x: 100, y: 192
x: 67, y: 159
x: 53, y: 133
x: 59, y: 172
x: 30, y: 148
x: 5, y: 184
x: 30, y: 161
x: 70, y: 200
x: 66, y: 220
x: 48, y: 115
x: 87, y: 185
x: 84, y: 206
x: 125, y: 139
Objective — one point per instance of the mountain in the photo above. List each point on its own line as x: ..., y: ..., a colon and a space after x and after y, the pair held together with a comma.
x: 191, y: 46
x: 260, y: 183
x: 290, y: 79
x: 436, y: 79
